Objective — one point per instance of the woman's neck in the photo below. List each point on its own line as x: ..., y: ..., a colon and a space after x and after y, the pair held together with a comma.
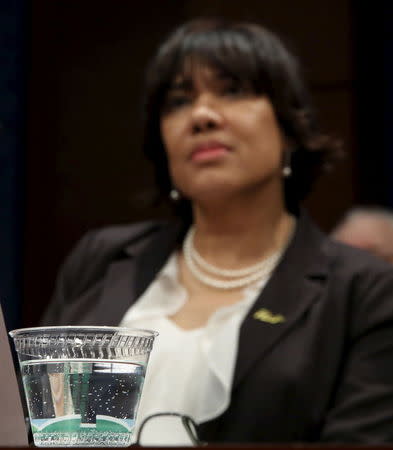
x: 240, y: 234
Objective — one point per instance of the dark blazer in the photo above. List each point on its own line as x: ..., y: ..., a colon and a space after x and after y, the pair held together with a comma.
x: 315, y: 359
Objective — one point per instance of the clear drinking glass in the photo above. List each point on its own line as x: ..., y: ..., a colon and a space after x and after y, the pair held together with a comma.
x: 83, y: 384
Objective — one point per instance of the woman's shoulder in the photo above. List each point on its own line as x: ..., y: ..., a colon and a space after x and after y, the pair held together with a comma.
x: 349, y: 273
x: 115, y: 237
x: 337, y: 255
x: 88, y: 261
x: 355, y: 260
x: 101, y: 246
x: 365, y: 280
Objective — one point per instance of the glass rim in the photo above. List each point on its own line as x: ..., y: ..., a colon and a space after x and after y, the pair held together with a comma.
x: 141, y: 332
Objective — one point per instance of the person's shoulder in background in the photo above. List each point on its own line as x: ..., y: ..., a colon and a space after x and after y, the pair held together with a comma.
x: 369, y: 228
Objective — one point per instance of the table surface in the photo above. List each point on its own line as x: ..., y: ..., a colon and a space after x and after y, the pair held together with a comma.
x: 294, y: 446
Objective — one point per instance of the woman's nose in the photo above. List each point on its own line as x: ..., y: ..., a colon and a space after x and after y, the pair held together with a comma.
x: 205, y: 117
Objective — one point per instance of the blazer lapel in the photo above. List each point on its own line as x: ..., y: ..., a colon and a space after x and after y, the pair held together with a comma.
x: 127, y: 278
x: 292, y: 289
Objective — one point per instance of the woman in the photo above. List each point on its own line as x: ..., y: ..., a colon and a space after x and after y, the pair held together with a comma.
x: 269, y: 331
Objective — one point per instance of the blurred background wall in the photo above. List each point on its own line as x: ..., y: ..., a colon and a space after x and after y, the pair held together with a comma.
x: 81, y: 66
x: 14, y: 61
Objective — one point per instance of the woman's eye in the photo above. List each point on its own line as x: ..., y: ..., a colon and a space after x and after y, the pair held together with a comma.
x: 234, y: 89
x: 176, y: 101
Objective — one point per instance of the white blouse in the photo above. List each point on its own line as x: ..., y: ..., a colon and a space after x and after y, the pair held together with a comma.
x: 189, y: 371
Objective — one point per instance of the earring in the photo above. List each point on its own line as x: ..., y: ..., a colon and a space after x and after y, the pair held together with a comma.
x: 286, y: 170
x: 174, y: 195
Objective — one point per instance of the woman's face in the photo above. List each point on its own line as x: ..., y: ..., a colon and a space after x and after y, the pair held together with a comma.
x: 220, y: 137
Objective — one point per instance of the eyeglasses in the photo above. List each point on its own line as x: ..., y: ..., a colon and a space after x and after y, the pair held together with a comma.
x: 188, y: 424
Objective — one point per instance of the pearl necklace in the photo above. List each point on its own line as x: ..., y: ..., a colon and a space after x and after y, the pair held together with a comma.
x: 202, y: 270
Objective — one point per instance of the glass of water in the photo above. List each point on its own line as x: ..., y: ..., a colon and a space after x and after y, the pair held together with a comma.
x: 83, y: 384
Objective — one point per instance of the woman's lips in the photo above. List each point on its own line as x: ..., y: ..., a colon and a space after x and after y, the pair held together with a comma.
x: 209, y: 152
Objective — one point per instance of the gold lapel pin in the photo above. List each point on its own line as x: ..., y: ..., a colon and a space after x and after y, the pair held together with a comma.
x: 264, y: 315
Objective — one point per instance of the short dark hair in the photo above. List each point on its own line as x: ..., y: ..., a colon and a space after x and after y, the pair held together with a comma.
x: 252, y: 54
